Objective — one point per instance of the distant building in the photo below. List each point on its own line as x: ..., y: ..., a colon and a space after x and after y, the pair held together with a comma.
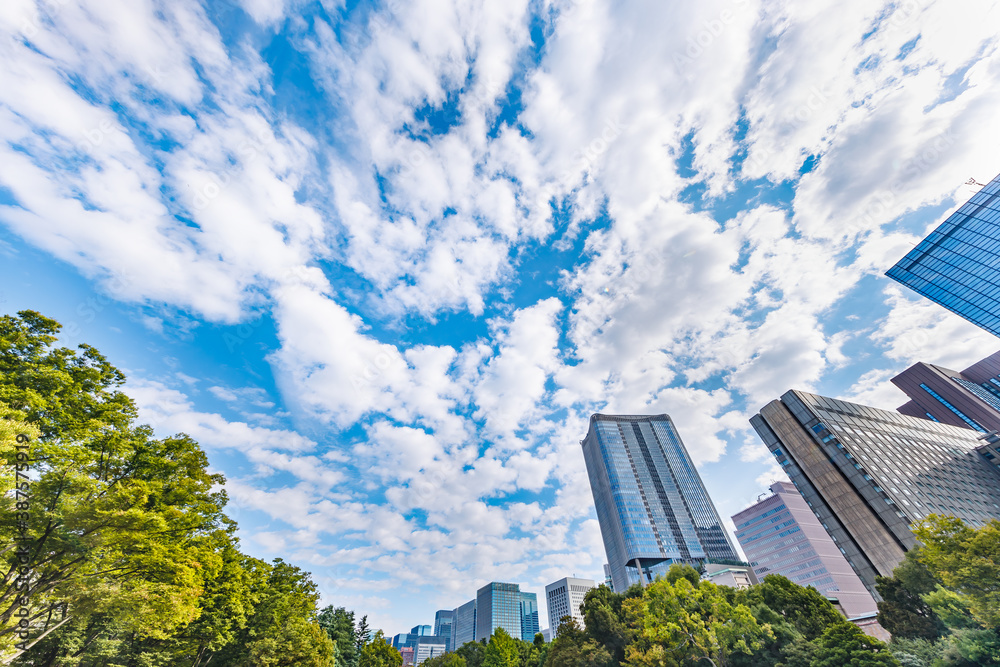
x: 958, y: 264
x: 425, y: 651
x: 418, y: 636
x: 547, y: 635
x: 968, y: 398
x: 442, y: 625
x: 564, y: 598
x: 732, y: 575
x: 503, y: 605
x: 868, y: 474
x: 607, y: 577
x: 651, y: 504
x: 781, y: 535
x: 463, y: 624
x: 408, y: 655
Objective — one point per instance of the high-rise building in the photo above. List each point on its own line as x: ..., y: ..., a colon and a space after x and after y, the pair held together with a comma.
x: 607, y: 577
x: 503, y: 605
x: 958, y: 264
x: 868, y: 474
x: 651, y: 504
x: 463, y: 624
x: 529, y: 616
x: 564, y: 598
x: 425, y: 651
x: 968, y: 398
x: 442, y: 625
x: 781, y: 535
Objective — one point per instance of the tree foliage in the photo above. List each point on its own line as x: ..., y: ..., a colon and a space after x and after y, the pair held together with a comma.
x: 379, y: 653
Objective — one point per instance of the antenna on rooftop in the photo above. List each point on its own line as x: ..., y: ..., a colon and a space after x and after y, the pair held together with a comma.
x: 973, y: 181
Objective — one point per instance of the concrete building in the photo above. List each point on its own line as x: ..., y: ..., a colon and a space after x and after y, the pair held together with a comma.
x: 958, y: 264
x: 781, y: 535
x: 425, y: 651
x: 868, y: 474
x: 969, y: 398
x: 734, y: 576
x: 651, y: 504
x: 564, y: 598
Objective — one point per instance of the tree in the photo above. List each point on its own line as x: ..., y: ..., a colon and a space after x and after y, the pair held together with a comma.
x: 966, y: 561
x: 449, y: 659
x: 501, y: 651
x: 118, y: 523
x: 904, y: 613
x: 804, y: 608
x: 972, y: 648
x: 845, y: 644
x: 379, y: 653
x: 339, y: 625
x: 605, y: 621
x: 679, y: 621
x: 472, y: 653
x: 573, y: 648
x: 362, y: 634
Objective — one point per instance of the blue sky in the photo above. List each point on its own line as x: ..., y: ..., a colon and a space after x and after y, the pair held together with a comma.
x: 384, y: 260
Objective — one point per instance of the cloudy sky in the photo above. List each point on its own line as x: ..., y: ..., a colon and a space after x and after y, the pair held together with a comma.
x: 384, y: 260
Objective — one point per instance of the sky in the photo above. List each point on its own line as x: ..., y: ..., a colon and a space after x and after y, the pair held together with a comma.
x: 383, y: 261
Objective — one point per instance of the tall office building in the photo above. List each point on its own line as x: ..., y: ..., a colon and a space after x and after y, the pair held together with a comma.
x: 442, y: 625
x: 463, y: 624
x: 502, y: 605
x: 808, y: 556
x: 958, y: 264
x: 968, y: 398
x: 563, y: 598
x: 651, y: 504
x: 868, y: 474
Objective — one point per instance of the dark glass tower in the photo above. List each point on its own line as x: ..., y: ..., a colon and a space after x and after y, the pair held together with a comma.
x: 969, y: 398
x: 651, y: 503
x: 958, y: 264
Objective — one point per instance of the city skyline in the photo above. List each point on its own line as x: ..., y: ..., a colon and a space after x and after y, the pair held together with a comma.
x: 383, y: 260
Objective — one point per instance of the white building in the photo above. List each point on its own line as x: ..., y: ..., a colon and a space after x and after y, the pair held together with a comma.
x: 425, y: 651
x: 564, y: 598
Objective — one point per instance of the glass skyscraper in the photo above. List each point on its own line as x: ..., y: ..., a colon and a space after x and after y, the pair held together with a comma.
x: 501, y: 605
x: 868, y: 474
x: 969, y: 398
x: 651, y: 504
x: 958, y: 264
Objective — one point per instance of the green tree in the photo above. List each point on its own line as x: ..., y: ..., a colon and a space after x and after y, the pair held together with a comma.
x: 605, y: 621
x: 951, y: 608
x: 845, y: 644
x: 679, y: 622
x: 916, y: 652
x: 804, y: 608
x: 971, y: 648
x: 119, y: 522
x: 472, y: 653
x: 362, y: 634
x: 449, y: 659
x: 501, y: 651
x: 904, y: 613
x: 572, y: 647
x: 339, y: 625
x: 966, y: 561
x: 379, y: 653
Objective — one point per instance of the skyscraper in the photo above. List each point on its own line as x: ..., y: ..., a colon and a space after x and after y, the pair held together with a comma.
x: 563, y: 598
x: 958, y: 264
x: 968, y: 398
x: 463, y: 624
x: 503, y: 605
x: 442, y: 625
x: 651, y: 504
x: 868, y: 474
x: 809, y: 558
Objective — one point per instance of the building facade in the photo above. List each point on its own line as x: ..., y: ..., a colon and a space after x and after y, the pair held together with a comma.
x: 504, y: 605
x: 734, y: 576
x: 958, y: 264
x: 563, y: 598
x: 969, y: 398
x: 867, y: 474
x: 442, y: 625
x: 463, y: 624
x: 781, y: 535
x: 425, y: 651
x: 651, y: 503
